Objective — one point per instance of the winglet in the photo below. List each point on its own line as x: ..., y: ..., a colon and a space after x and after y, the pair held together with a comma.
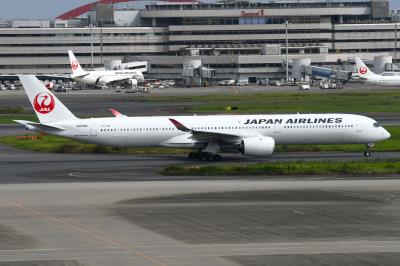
x: 116, y: 113
x: 179, y: 126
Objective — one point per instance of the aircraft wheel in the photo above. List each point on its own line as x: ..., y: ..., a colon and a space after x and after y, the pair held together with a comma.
x: 204, y: 157
x: 217, y: 157
x: 192, y: 155
x: 210, y: 157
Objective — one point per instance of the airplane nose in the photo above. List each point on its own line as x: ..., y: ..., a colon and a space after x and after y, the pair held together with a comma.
x: 385, y: 134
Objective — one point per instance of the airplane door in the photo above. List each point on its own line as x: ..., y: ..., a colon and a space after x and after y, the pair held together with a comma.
x: 277, y: 128
x: 307, y: 134
x: 359, y: 128
x: 93, y: 130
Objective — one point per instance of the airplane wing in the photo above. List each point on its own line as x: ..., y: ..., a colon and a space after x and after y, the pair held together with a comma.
x: 116, y: 79
x: 80, y: 75
x: 201, y: 135
x: 39, y: 126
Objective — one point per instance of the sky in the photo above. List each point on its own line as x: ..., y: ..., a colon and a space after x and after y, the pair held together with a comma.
x: 44, y: 9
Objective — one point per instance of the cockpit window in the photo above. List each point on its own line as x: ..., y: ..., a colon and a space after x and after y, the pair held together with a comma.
x: 376, y: 125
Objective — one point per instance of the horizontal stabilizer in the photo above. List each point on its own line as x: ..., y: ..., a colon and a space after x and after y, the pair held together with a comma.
x: 40, y: 126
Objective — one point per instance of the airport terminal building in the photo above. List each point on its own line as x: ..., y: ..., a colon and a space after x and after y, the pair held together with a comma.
x: 237, y: 39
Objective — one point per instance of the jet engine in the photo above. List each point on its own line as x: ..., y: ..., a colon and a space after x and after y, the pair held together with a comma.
x: 257, y: 146
x: 132, y: 82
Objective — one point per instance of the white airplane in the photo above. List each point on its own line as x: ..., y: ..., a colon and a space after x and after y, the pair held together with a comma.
x: 103, y: 77
x: 367, y: 76
x: 253, y: 135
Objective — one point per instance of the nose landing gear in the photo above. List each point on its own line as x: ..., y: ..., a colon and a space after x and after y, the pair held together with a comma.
x: 367, y: 152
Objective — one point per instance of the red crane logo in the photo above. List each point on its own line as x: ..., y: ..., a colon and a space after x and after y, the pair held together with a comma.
x: 44, y: 103
x: 363, y: 70
x: 74, y: 65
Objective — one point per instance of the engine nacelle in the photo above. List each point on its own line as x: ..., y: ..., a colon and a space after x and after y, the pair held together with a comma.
x: 258, y: 146
x: 132, y: 82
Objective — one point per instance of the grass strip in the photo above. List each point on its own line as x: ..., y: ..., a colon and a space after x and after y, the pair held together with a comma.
x: 12, y: 110
x: 384, y: 101
x: 56, y: 144
x: 10, y: 113
x: 9, y: 119
x: 367, y: 167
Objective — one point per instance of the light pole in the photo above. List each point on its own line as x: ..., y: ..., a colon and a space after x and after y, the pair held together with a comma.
x: 91, y: 46
x: 395, y: 42
x: 287, y: 24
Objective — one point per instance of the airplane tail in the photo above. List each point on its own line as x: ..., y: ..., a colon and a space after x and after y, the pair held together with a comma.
x: 47, y: 107
x: 363, y: 70
x: 75, y: 66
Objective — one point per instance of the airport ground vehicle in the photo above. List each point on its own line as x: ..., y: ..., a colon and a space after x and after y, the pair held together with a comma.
x: 304, y: 86
x: 227, y: 82
x: 262, y: 82
x: 252, y: 135
x: 275, y: 83
x: 242, y: 82
x: 330, y: 85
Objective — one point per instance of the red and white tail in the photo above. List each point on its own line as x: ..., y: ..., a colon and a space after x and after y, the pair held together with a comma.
x: 46, y: 106
x: 75, y: 66
x: 362, y: 69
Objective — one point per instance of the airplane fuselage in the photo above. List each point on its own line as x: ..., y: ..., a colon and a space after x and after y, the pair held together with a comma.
x: 284, y: 129
x: 105, y: 77
x: 389, y: 81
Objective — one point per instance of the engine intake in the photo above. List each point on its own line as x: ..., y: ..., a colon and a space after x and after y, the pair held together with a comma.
x: 257, y: 146
x: 132, y: 82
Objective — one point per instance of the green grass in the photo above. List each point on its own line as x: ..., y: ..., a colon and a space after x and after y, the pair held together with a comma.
x: 56, y: 144
x: 8, y: 119
x: 370, y: 102
x: 367, y: 167
x: 10, y: 113
x: 12, y: 110
x: 343, y: 102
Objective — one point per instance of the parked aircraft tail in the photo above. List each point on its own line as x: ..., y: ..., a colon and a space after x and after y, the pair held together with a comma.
x: 47, y: 107
x: 362, y: 69
x: 76, y: 68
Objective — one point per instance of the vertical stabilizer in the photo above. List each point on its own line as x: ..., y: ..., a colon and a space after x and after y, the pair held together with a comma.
x: 75, y: 66
x: 362, y: 69
x: 47, y: 107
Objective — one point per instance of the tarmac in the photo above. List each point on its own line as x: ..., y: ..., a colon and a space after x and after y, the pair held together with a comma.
x: 212, y: 222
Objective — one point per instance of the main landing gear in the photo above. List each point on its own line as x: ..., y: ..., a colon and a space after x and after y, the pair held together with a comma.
x: 209, y: 153
x: 204, y: 156
x: 368, y: 147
